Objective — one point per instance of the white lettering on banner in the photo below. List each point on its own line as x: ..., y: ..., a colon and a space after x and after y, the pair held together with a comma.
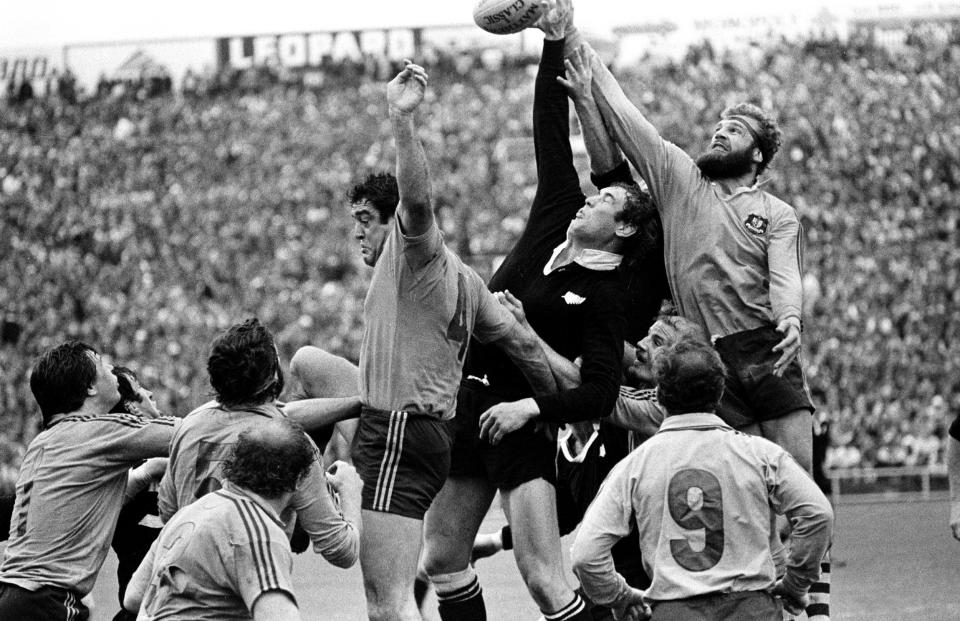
x: 236, y: 57
x: 265, y: 50
x: 345, y: 45
x: 299, y: 50
x: 292, y: 50
x: 319, y: 45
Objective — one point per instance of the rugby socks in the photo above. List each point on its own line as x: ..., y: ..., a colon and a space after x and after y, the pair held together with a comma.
x: 576, y: 610
x: 460, y: 596
x: 818, y: 606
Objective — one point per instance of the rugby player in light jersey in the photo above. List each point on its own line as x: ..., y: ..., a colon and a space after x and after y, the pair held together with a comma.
x: 421, y: 310
x: 71, y: 485
x: 226, y: 556
x: 701, y: 494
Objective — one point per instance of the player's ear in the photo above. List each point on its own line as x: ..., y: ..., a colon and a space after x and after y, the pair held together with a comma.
x: 625, y: 229
x: 757, y: 156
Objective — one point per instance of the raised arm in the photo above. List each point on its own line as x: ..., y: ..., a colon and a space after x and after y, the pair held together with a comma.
x: 404, y: 94
x: 601, y: 148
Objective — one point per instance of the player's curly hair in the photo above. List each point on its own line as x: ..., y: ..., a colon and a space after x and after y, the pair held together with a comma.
x: 690, y: 377
x: 127, y: 393
x: 381, y: 191
x: 769, y: 138
x: 270, y: 459
x: 60, y: 378
x: 243, y: 365
x: 640, y: 211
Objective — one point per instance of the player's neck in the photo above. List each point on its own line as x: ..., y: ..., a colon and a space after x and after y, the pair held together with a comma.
x: 731, y: 185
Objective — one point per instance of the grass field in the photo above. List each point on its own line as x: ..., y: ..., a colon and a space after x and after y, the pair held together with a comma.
x: 892, y: 561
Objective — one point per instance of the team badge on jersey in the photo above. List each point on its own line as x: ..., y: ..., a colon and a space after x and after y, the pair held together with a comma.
x: 756, y: 224
x: 572, y: 298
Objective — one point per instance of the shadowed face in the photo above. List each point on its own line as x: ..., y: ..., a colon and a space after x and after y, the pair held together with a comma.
x: 596, y: 221
x: 369, y: 230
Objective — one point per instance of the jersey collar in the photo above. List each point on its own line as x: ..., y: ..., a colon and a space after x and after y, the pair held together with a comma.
x: 590, y: 258
x: 699, y: 420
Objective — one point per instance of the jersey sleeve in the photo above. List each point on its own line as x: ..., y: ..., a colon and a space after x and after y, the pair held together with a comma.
x: 493, y: 320
x: 333, y: 536
x: 637, y: 410
x: 608, y: 519
x: 600, y: 371
x: 422, y: 249
x: 128, y: 438
x: 665, y: 167
x: 793, y: 493
x: 784, y: 254
x: 262, y: 564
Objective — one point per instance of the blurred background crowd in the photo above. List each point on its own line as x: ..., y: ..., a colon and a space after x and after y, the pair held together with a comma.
x: 144, y: 219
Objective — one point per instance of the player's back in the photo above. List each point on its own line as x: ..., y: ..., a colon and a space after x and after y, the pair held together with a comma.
x: 213, y: 558
x: 700, y: 496
x: 198, y: 450
x: 69, y: 494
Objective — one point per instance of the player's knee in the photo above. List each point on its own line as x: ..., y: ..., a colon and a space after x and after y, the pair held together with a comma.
x: 301, y: 361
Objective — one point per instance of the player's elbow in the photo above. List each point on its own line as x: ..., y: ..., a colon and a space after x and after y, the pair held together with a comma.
x: 582, y: 557
x: 345, y: 552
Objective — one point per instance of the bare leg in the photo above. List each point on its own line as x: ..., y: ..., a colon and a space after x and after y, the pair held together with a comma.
x: 389, y: 549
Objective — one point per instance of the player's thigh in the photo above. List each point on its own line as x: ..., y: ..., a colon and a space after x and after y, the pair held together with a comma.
x: 531, y: 509
x: 452, y: 522
x: 322, y: 374
x: 794, y: 433
x: 389, y: 549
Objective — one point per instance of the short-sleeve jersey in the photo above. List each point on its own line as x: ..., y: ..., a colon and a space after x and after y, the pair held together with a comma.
x: 422, y: 307
x: 198, y: 451
x: 69, y: 494
x: 701, y: 495
x: 215, y: 558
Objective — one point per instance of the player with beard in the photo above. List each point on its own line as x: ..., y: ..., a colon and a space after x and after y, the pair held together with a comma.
x: 733, y: 258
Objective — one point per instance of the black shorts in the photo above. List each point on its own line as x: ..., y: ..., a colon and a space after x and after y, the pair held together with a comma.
x: 752, y: 392
x: 403, y: 459
x: 45, y: 604
x: 524, y: 455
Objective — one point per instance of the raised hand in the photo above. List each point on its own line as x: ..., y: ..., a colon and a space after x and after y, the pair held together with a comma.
x: 579, y: 77
x: 406, y: 91
x: 556, y: 18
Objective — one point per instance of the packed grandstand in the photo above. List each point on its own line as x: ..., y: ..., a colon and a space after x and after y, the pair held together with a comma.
x: 145, y: 219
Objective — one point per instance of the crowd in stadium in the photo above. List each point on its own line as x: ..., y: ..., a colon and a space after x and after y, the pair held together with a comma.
x: 148, y: 224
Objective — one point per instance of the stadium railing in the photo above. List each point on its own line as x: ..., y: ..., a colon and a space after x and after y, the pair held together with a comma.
x: 888, y: 484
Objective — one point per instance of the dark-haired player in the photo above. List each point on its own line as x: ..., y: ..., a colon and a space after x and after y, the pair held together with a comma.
x: 226, y: 556
x: 701, y: 495
x: 567, y: 268
x: 422, y: 307
x: 71, y: 485
x: 246, y: 376
x: 139, y: 521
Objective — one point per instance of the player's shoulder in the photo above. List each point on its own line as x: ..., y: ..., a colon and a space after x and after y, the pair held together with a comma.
x: 112, y: 420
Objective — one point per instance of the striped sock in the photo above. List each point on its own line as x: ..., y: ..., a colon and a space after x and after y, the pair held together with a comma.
x: 576, y: 610
x: 460, y: 596
x: 818, y: 608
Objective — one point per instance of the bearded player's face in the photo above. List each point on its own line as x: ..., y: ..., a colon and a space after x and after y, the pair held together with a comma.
x: 732, y: 152
x: 369, y: 230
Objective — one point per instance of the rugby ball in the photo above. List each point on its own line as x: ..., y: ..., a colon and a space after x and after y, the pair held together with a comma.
x: 506, y: 16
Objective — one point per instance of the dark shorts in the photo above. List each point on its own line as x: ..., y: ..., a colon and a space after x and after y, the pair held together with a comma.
x: 742, y: 606
x: 752, y: 392
x: 403, y: 459
x: 524, y: 455
x: 44, y: 604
